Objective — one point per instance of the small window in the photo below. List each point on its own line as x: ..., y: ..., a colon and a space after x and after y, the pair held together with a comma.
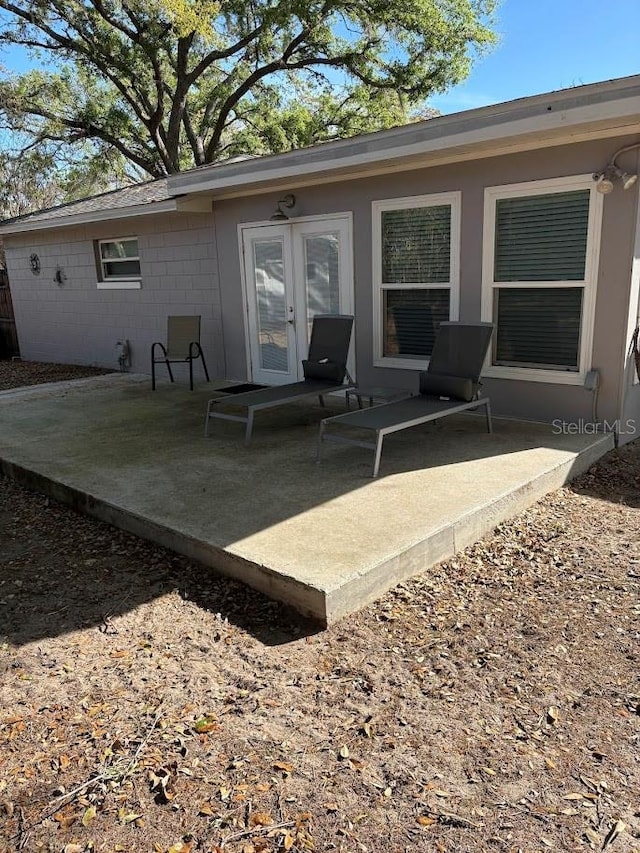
x: 416, y: 248
x: 118, y: 262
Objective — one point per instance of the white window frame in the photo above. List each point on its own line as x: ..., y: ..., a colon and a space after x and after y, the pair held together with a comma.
x: 454, y: 199
x: 114, y: 282
x: 589, y: 284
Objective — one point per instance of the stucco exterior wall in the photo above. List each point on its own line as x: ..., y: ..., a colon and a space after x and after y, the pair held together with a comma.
x: 533, y: 400
x: 629, y: 428
x: 190, y: 264
x: 77, y: 323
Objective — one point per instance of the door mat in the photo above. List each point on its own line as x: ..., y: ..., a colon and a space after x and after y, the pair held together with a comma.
x: 241, y: 388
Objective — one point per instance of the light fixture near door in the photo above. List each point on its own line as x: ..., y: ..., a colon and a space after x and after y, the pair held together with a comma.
x: 287, y: 201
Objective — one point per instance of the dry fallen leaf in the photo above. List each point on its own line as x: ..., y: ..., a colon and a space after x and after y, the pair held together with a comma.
x: 592, y: 836
x: 260, y: 819
x: 284, y: 766
x: 183, y: 846
x: 424, y: 820
x: 206, y: 724
x: 344, y: 751
x: 617, y: 828
x: 88, y: 816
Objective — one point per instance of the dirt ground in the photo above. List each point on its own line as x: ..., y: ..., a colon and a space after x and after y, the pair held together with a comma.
x: 492, y: 704
x: 16, y: 374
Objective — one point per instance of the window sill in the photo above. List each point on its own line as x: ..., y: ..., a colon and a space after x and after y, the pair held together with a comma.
x: 530, y: 374
x: 402, y: 363
x: 130, y: 284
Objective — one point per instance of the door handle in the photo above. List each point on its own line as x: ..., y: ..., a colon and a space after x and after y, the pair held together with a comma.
x: 291, y: 318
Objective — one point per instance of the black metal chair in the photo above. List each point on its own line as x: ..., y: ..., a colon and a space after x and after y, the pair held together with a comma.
x: 183, y: 345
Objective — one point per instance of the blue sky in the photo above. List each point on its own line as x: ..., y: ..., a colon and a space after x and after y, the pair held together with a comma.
x: 543, y: 45
x: 551, y: 44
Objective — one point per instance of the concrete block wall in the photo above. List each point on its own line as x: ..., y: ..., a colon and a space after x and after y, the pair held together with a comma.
x: 77, y: 323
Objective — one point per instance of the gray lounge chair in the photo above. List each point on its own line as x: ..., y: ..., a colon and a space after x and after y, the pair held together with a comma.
x: 324, y: 371
x: 450, y: 385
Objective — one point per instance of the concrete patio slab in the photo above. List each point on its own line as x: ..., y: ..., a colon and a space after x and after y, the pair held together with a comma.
x: 324, y: 538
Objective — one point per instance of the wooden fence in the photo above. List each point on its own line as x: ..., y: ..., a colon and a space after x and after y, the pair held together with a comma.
x: 8, y: 334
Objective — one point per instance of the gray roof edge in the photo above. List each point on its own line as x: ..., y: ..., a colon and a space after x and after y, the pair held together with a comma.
x: 31, y: 221
x: 135, y: 196
x: 440, y: 128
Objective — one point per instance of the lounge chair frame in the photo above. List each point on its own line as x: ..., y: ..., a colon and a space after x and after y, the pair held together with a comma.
x: 280, y: 395
x: 441, y: 409
x: 409, y: 412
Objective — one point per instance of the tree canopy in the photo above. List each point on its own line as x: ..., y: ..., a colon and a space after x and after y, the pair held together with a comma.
x: 172, y: 84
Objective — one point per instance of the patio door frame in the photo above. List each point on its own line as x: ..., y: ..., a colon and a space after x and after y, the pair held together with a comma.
x: 292, y: 233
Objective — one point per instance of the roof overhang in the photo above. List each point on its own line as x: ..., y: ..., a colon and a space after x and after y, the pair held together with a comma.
x: 177, y: 204
x: 597, y: 111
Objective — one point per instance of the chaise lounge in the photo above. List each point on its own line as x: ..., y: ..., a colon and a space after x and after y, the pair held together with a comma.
x: 450, y: 385
x: 324, y: 372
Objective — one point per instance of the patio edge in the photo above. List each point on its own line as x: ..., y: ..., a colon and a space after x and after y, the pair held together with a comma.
x: 304, y: 598
x: 444, y: 543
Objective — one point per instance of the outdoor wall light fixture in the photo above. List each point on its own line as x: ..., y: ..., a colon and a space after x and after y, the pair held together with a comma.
x: 287, y: 201
x: 611, y: 172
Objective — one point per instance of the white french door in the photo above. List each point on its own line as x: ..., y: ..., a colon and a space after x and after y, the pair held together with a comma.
x: 293, y: 271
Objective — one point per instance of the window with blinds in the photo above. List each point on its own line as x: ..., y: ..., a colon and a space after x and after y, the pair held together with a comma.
x: 416, y: 245
x: 539, y: 276
x: 412, y: 320
x: 415, y: 239
x: 538, y: 327
x: 542, y: 238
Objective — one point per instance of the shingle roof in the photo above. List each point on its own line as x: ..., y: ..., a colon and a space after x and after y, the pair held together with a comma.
x: 133, y: 196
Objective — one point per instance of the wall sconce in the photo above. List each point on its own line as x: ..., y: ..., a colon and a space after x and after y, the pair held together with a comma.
x: 611, y: 172
x: 287, y: 201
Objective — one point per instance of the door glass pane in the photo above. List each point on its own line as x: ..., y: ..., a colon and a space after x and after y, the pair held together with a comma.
x: 322, y: 275
x: 271, y: 305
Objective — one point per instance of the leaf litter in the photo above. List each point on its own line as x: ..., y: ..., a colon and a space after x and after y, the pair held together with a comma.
x: 492, y: 703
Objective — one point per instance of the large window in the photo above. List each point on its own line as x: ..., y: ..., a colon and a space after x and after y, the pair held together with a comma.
x: 415, y: 267
x: 118, y: 262
x: 540, y: 267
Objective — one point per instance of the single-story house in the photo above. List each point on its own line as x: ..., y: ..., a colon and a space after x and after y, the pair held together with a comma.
x: 525, y: 214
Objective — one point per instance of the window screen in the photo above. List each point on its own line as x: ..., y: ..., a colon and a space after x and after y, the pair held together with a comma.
x: 412, y: 318
x: 538, y: 327
x: 542, y: 237
x: 416, y: 245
